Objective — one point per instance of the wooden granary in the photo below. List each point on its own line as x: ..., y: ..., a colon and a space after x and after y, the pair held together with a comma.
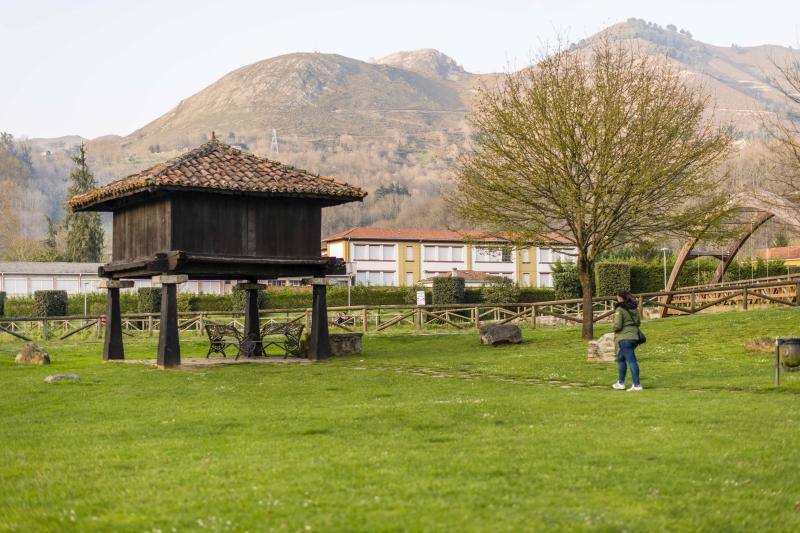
x: 216, y: 213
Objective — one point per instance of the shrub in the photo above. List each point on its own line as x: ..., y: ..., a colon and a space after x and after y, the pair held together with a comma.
x: 536, y: 294
x: 567, y: 285
x: 149, y: 300
x: 410, y: 296
x: 611, y: 278
x: 646, y: 276
x: 448, y: 290
x: 239, y: 299
x: 2, y: 303
x: 500, y: 290
x: 50, y: 303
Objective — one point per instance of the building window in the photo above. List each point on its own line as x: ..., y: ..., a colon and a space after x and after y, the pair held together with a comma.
x: 409, y: 279
x: 444, y: 253
x: 361, y: 252
x: 525, y: 255
x: 374, y: 252
x: 41, y: 284
x: 526, y: 279
x: 493, y: 255
x: 545, y: 255
x: 545, y: 279
x: 409, y: 253
x: 16, y: 286
x: 388, y: 252
x: 374, y: 278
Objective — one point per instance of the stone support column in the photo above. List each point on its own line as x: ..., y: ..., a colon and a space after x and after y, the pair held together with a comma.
x: 319, y: 345
x: 113, y: 348
x: 169, y: 346
x: 251, y: 344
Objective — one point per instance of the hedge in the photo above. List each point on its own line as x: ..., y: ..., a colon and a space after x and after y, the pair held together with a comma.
x: 499, y: 290
x: 448, y: 290
x: 567, y: 285
x: 148, y: 300
x: 50, y: 303
x: 2, y: 302
x: 536, y: 294
x: 610, y: 278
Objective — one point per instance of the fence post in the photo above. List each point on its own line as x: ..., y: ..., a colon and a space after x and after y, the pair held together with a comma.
x: 797, y: 294
x: 533, y: 316
x: 692, y: 300
x: 306, y: 319
x: 149, y: 325
x: 201, y: 324
x: 100, y: 327
x: 477, y: 315
x: 364, y: 320
x: 419, y: 320
x: 44, y: 329
x: 744, y: 298
x: 641, y: 306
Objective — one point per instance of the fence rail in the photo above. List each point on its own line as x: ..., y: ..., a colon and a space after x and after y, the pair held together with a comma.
x: 430, y: 318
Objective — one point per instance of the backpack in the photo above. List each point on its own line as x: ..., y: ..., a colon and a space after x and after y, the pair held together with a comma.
x: 642, y: 337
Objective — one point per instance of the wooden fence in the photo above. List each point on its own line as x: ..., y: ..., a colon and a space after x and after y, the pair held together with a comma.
x: 432, y: 318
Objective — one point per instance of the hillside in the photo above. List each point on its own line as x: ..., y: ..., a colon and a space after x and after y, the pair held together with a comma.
x: 398, y: 120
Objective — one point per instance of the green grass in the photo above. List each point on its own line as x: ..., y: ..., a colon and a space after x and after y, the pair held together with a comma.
x: 419, y: 433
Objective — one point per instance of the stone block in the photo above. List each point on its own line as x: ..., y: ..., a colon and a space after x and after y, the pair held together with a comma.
x: 603, y: 350
x: 345, y: 343
x: 494, y: 334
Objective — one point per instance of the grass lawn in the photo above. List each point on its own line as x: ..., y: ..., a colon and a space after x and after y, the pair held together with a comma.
x: 419, y: 433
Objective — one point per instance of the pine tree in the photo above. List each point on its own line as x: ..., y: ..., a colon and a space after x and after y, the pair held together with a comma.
x: 84, y: 230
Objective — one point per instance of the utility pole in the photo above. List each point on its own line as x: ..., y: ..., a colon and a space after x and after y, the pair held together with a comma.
x: 273, y: 149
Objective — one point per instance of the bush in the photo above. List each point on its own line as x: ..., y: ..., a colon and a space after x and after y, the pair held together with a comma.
x: 567, y: 285
x: 611, y: 278
x: 2, y: 303
x: 149, y: 300
x: 448, y: 290
x: 646, y: 276
x: 50, y: 303
x: 536, y: 294
x: 500, y: 290
x: 410, y: 296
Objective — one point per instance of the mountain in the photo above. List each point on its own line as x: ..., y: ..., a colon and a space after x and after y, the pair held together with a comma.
x: 316, y: 95
x: 395, y: 124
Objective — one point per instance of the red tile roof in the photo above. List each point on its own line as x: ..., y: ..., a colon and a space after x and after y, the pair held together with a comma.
x: 786, y: 252
x: 215, y: 166
x: 438, y: 235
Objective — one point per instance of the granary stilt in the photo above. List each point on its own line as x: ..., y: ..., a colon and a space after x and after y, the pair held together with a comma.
x: 113, y: 348
x: 251, y: 346
x: 319, y: 345
x: 169, y: 347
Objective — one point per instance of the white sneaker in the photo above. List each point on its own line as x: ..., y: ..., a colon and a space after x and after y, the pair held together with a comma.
x: 635, y: 388
x: 618, y: 386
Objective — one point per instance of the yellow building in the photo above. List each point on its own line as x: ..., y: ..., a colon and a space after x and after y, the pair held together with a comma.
x: 404, y: 257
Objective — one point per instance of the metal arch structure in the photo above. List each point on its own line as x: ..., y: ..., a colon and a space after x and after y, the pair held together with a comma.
x: 768, y: 206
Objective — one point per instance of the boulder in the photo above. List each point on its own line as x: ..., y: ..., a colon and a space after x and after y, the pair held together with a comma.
x: 494, y: 334
x: 345, y: 343
x: 603, y: 350
x: 61, y: 377
x: 32, y: 355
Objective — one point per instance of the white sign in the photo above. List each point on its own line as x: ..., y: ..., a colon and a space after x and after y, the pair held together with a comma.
x: 420, y: 297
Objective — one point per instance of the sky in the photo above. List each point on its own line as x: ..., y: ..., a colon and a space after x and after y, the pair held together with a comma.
x: 92, y: 67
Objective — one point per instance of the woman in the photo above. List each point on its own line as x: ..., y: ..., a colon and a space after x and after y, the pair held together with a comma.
x: 626, y: 335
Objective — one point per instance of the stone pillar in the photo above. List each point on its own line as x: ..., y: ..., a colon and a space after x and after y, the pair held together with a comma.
x: 319, y: 345
x: 113, y: 348
x: 251, y: 344
x: 169, y: 346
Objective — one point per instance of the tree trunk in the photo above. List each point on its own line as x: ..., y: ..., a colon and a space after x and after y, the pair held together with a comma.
x: 585, y: 276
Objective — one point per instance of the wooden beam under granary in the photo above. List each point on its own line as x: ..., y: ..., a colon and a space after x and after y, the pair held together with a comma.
x: 219, y: 213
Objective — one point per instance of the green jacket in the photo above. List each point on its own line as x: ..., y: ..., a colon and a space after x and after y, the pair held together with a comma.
x: 626, y: 325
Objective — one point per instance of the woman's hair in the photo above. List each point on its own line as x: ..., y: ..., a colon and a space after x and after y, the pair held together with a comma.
x: 627, y: 296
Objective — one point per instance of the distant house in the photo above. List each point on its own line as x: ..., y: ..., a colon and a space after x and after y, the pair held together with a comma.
x: 789, y: 254
x: 21, y: 278
x: 404, y: 257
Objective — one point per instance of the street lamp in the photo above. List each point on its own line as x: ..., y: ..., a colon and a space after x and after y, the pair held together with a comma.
x: 664, y: 254
x: 85, y: 304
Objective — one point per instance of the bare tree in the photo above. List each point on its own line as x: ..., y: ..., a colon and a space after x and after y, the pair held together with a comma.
x: 785, y: 130
x: 604, y: 148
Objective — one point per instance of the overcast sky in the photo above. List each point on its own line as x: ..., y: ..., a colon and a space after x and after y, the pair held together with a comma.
x: 93, y: 67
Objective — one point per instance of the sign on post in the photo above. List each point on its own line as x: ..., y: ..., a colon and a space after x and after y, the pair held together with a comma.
x: 420, y: 297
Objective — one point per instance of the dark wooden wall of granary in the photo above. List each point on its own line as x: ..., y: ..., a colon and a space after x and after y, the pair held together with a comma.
x: 231, y: 225
x: 142, y: 230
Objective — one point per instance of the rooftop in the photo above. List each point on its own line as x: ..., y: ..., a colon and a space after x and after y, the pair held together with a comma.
x: 218, y: 167
x: 437, y: 235
x: 30, y: 267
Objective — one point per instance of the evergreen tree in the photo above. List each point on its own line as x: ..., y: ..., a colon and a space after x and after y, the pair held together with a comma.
x: 84, y: 230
